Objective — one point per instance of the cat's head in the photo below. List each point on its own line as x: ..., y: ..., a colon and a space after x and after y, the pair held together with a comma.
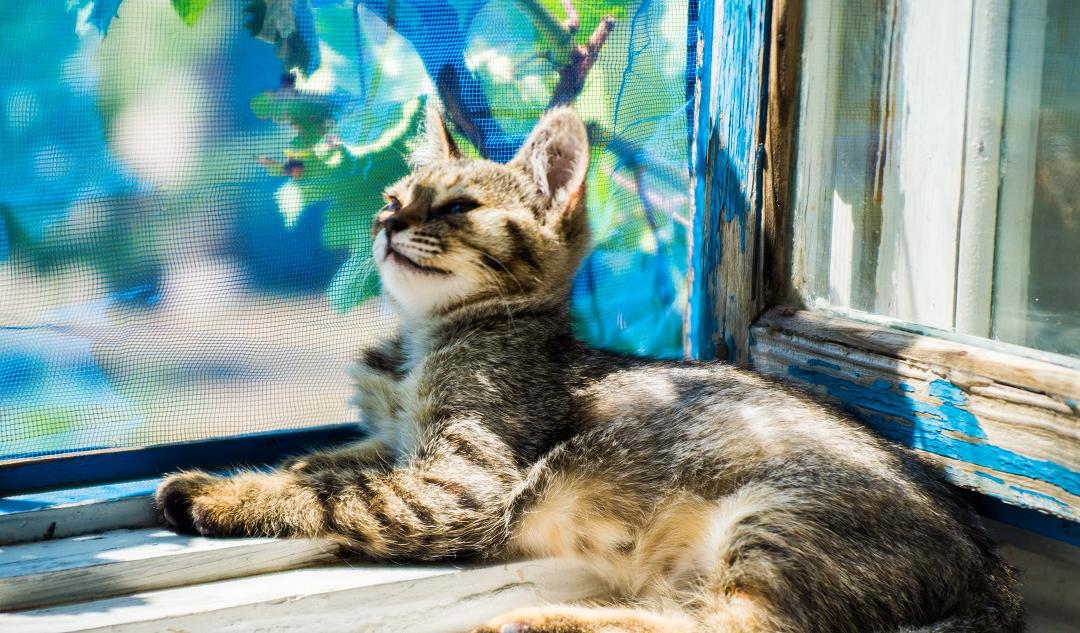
x: 457, y: 231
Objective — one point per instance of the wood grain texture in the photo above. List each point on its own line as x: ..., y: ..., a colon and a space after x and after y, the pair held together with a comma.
x: 330, y: 599
x: 1008, y: 427
x: 782, y: 104
x: 726, y: 159
x: 923, y: 167
x: 62, y: 521
x: 126, y: 561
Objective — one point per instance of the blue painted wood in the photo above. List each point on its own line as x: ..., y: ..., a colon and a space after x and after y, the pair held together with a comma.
x: 896, y: 414
x: 727, y: 160
x: 1047, y: 525
x: 70, y: 496
x: 22, y: 476
x: 988, y: 421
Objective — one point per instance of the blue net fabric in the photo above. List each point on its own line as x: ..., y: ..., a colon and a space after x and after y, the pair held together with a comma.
x: 186, y: 190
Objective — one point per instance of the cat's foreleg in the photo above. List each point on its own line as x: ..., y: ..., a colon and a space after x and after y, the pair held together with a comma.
x: 366, y: 454
x: 275, y: 503
x: 449, y: 500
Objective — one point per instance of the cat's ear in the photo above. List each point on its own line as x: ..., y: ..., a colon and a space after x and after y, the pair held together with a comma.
x: 435, y: 144
x: 556, y: 157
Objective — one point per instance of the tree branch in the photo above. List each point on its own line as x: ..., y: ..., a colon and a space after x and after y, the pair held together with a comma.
x: 572, y: 76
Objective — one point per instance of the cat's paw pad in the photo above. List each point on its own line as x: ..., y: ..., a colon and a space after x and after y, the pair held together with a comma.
x: 576, y: 619
x: 174, y: 502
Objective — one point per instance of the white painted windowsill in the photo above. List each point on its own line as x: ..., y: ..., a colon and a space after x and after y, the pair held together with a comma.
x: 93, y: 559
x: 135, y: 576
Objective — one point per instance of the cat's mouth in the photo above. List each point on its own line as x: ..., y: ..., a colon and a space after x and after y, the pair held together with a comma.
x: 397, y: 257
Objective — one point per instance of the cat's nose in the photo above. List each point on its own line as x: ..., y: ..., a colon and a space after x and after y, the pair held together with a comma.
x: 392, y: 225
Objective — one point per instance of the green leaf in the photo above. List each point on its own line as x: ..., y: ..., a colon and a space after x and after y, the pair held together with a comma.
x: 590, y: 14
x: 551, y: 30
x: 189, y: 10
x: 310, y: 113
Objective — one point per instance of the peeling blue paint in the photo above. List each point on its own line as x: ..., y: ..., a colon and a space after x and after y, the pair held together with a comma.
x: 997, y: 480
x: 727, y: 158
x: 881, y: 397
x: 814, y: 362
x: 921, y: 425
x: 952, y: 400
x: 1040, y: 495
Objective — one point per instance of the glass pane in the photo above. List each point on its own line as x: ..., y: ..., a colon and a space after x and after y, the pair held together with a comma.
x: 881, y: 156
x: 186, y: 194
x: 938, y: 178
x: 1037, y: 300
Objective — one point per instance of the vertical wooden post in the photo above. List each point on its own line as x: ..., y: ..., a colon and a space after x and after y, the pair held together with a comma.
x: 728, y: 146
x: 782, y: 104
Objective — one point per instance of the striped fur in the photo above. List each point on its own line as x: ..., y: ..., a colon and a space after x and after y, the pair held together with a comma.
x: 709, y: 497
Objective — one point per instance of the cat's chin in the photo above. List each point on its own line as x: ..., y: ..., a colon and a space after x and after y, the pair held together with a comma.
x: 396, y: 258
x: 418, y: 290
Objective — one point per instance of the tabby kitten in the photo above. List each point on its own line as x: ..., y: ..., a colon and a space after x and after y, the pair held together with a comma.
x: 710, y: 498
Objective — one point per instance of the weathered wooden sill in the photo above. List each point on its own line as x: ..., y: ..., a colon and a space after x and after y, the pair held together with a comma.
x: 1004, y: 425
x: 138, y: 577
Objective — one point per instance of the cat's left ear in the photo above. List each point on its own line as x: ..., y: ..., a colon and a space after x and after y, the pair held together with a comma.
x: 435, y: 144
x: 556, y: 157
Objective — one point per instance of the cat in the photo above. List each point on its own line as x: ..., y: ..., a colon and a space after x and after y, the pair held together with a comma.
x: 708, y: 497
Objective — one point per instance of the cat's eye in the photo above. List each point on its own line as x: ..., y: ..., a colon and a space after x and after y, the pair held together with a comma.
x: 393, y: 205
x: 455, y: 207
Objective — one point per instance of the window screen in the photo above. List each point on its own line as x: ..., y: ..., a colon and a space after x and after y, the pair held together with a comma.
x: 186, y: 191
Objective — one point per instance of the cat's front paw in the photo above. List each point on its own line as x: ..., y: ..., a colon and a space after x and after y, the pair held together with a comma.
x: 175, y: 503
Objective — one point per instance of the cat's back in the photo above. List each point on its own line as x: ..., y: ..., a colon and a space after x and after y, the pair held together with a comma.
x: 717, y: 408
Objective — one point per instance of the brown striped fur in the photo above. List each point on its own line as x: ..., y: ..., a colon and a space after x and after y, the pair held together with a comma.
x: 709, y: 497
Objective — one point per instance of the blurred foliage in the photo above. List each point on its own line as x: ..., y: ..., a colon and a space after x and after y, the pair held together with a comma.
x: 189, y: 10
x: 78, y: 182
x: 142, y: 135
x: 632, y: 292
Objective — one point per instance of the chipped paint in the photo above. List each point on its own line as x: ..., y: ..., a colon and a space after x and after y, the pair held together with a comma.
x: 1040, y: 495
x: 923, y: 424
x: 996, y: 480
x: 726, y: 163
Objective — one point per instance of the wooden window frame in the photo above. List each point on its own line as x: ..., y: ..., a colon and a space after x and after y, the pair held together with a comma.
x: 744, y: 306
x: 998, y: 423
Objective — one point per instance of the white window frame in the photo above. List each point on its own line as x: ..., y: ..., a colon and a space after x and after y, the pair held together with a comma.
x: 1021, y: 402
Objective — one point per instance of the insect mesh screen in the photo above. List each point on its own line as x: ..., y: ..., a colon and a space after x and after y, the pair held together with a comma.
x: 186, y: 192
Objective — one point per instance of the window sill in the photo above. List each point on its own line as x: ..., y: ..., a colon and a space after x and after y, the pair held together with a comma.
x: 150, y: 579
x: 136, y: 577
x: 1005, y: 426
